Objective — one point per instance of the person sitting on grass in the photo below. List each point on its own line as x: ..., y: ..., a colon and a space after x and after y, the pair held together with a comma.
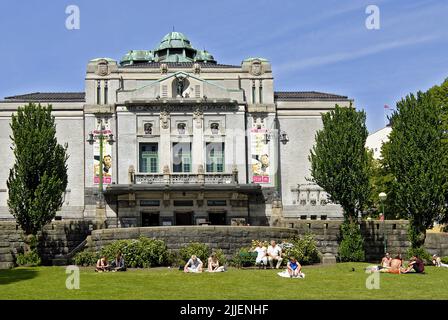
x: 416, y: 265
x: 395, y: 265
x: 102, y: 265
x: 294, y: 268
x: 118, y: 263
x: 385, y: 262
x: 194, y: 265
x: 261, y: 260
x: 274, y: 254
x: 437, y: 261
x: 213, y: 264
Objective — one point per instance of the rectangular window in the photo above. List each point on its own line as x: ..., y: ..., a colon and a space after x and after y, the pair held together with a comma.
x: 214, y: 157
x: 164, y: 91
x: 149, y: 157
x: 182, y: 157
x: 260, y: 94
x: 197, y: 91
x: 253, y: 94
x: 98, y: 92
x: 106, y: 92
x: 149, y: 203
x: 216, y: 203
x: 183, y: 203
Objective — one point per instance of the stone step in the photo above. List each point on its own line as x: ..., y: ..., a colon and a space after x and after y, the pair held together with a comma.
x: 6, y: 250
x: 4, y: 244
x: 6, y: 258
x: 59, y: 262
x: 6, y: 265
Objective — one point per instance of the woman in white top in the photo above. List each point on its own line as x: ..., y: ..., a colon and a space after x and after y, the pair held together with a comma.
x: 262, y: 259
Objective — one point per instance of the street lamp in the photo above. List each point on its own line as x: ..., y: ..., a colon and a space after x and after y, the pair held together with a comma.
x: 383, y: 197
x: 91, y: 141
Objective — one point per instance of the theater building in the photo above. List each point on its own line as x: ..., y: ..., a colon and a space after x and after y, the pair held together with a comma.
x: 172, y: 137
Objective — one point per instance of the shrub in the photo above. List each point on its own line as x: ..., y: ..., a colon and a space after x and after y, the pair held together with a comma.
x: 444, y: 260
x: 244, y: 257
x: 264, y: 243
x: 85, y: 258
x: 303, y: 249
x: 201, y: 250
x: 421, y: 253
x: 29, y: 259
x: 141, y: 253
x: 351, y: 247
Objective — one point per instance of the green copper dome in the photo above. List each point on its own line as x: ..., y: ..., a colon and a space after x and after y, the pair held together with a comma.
x: 174, y: 40
x: 174, y: 47
x: 137, y: 56
x: 204, y: 56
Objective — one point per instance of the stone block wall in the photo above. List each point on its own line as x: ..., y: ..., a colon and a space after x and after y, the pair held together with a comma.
x: 227, y: 238
x: 56, y: 239
x: 61, y: 237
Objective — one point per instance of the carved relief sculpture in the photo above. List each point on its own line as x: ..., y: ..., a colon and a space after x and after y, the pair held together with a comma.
x: 163, y: 68
x: 197, y: 116
x: 164, y: 119
x: 256, y: 69
x: 102, y: 68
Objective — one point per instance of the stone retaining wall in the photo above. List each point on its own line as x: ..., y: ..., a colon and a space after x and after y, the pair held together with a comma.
x: 57, y: 239
x: 227, y: 238
x: 61, y: 237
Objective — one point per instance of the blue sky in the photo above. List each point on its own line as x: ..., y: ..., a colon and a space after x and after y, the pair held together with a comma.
x: 313, y: 45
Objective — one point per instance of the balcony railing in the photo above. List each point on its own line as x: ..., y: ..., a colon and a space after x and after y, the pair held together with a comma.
x: 184, y: 178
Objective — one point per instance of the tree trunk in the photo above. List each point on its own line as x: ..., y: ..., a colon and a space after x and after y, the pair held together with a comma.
x: 29, y: 241
x: 417, y: 235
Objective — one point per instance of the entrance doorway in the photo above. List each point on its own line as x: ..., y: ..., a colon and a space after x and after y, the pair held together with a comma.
x: 217, y: 218
x: 184, y: 218
x: 150, y: 219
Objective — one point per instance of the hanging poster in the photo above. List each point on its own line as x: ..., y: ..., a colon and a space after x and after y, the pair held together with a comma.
x: 260, y: 156
x: 106, y: 157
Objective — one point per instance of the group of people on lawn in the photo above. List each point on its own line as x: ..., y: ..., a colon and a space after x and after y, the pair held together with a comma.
x: 273, y: 254
x: 102, y: 265
x: 395, y: 265
x: 195, y: 265
x: 270, y: 255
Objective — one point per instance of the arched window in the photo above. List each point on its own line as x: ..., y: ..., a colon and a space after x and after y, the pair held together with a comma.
x: 214, y: 127
x: 181, y: 128
x: 147, y: 128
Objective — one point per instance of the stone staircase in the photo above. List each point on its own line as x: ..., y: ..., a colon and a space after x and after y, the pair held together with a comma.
x: 63, y: 260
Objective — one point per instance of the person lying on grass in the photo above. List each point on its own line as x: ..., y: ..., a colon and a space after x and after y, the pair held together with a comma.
x: 102, y: 265
x: 294, y: 268
x: 193, y: 265
x: 437, y: 261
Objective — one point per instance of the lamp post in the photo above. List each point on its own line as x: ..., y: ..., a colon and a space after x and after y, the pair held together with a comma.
x: 383, y: 197
x: 91, y: 140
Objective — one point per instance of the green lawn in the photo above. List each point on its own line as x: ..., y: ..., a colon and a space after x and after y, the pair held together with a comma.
x: 329, y: 282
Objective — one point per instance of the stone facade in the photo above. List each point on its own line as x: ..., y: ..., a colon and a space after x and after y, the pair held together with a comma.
x: 186, y: 140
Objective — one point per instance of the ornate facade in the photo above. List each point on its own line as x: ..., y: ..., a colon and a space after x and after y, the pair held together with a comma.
x: 171, y: 137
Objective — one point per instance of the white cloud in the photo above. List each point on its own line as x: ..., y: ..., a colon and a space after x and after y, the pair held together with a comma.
x: 351, y: 55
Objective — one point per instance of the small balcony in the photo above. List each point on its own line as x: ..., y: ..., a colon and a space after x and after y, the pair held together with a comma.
x: 185, y: 178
